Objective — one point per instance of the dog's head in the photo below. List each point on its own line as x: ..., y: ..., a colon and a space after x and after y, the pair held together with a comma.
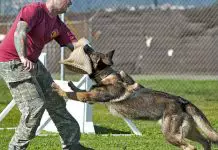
x: 86, y: 60
x: 99, y: 61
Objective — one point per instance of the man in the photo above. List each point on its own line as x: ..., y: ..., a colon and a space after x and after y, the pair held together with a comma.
x: 28, y: 80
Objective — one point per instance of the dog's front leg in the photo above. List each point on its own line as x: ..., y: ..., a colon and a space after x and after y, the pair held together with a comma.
x: 89, y: 97
x: 82, y: 96
x: 57, y: 89
x: 95, y: 95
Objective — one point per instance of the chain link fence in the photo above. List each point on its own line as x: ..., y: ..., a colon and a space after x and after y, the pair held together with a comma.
x: 156, y: 37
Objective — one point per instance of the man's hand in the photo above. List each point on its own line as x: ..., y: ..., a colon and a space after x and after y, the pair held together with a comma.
x: 80, y: 42
x: 29, y: 65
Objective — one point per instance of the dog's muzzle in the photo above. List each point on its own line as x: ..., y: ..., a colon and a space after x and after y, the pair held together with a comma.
x: 78, y: 61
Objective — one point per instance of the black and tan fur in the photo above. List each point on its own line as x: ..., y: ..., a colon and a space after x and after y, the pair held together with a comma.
x: 180, y: 119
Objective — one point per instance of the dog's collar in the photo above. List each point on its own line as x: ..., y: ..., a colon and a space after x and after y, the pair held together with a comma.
x: 98, y: 76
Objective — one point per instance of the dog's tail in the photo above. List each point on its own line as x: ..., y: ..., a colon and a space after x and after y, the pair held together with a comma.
x: 202, y: 122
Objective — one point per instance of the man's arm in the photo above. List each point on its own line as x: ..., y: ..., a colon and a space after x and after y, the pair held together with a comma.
x: 20, y: 42
x: 20, y: 38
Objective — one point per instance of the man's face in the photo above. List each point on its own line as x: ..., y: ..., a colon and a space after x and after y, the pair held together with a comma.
x: 61, y: 5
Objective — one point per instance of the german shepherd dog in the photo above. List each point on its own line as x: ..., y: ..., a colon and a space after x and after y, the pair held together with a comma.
x: 180, y: 119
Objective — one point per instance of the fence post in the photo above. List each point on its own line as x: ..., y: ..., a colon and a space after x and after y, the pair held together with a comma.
x: 62, y: 75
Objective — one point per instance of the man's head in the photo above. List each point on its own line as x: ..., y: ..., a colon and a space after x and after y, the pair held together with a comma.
x: 58, y: 6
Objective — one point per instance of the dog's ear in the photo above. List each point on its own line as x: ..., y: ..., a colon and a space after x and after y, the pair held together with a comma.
x: 88, y: 49
x: 110, y: 54
x: 108, y: 58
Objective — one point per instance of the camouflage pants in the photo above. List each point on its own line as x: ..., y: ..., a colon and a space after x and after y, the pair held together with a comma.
x: 33, y: 94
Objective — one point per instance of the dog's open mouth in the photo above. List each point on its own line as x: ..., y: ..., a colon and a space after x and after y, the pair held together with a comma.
x: 78, y: 62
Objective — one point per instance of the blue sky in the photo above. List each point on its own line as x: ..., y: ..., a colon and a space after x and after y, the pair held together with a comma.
x: 9, y: 7
x: 79, y: 5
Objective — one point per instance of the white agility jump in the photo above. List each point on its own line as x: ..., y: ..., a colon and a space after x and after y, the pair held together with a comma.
x: 82, y: 112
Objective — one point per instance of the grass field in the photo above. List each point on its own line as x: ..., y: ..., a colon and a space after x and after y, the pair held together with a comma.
x: 202, y: 93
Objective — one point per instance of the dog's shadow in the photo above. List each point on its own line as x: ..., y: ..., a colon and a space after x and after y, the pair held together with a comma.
x: 103, y: 130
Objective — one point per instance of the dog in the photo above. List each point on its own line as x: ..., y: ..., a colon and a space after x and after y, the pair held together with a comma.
x: 180, y: 119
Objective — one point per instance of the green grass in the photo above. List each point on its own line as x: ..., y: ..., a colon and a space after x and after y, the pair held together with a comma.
x: 204, y: 94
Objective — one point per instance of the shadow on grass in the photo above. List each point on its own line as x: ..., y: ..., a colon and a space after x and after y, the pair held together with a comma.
x: 103, y: 130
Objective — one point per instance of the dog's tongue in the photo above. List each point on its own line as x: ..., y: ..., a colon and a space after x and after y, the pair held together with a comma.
x: 78, y: 61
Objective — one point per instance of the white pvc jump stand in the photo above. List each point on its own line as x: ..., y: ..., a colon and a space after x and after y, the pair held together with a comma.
x: 82, y: 112
x: 132, y: 127
x: 7, y: 110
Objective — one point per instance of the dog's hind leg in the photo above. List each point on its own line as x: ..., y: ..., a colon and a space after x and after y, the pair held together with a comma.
x: 195, y: 135
x: 171, y: 128
x: 190, y: 132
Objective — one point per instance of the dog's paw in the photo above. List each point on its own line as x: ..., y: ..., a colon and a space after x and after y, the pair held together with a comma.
x: 133, y: 88
x: 126, y: 78
x: 56, y: 88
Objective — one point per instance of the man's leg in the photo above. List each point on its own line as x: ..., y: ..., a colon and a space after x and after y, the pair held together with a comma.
x: 29, y: 99
x: 67, y: 126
